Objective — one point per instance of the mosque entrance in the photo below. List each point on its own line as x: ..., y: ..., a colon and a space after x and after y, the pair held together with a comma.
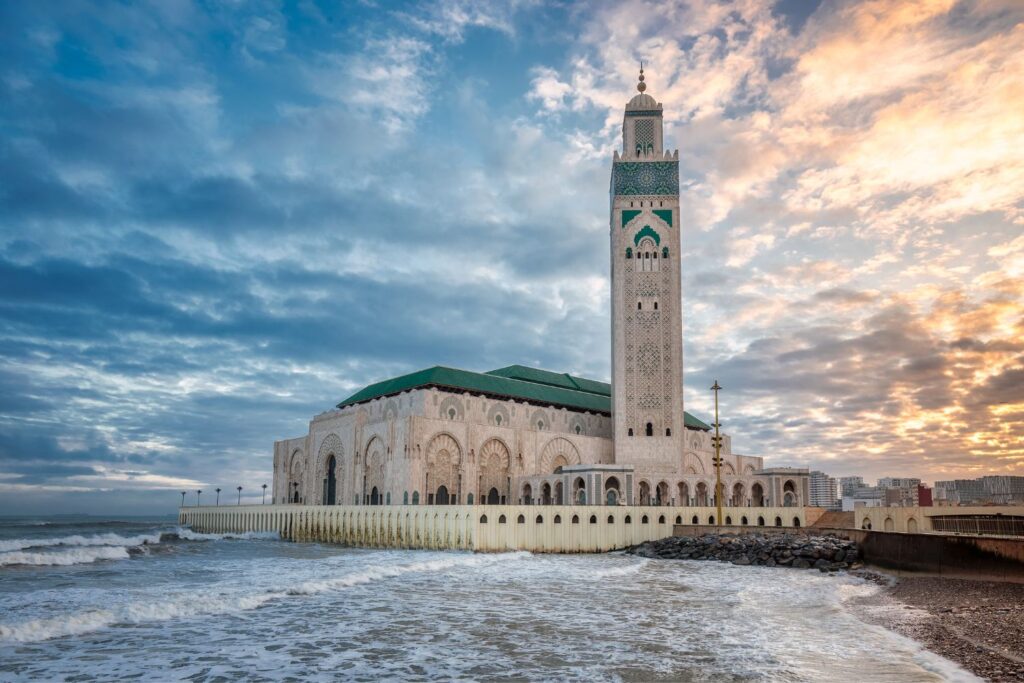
x: 330, y: 483
x: 442, y: 497
x: 493, y: 498
x: 375, y: 497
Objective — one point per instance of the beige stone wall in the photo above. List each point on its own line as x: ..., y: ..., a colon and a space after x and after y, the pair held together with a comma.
x: 918, y: 519
x: 535, y: 528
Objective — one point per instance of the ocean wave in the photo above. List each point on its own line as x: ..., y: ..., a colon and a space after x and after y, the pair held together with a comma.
x: 64, y: 557
x: 204, y: 603
x: 110, y: 539
x: 79, y: 540
x: 616, y: 572
x: 185, y: 534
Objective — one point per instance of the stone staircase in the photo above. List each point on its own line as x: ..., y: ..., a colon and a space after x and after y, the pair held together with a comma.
x: 835, y: 520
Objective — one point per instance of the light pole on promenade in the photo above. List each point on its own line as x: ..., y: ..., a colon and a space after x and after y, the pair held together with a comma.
x: 198, y: 493
x: 182, y: 499
x: 239, y: 495
x: 264, y: 495
x: 218, y: 497
x: 718, y: 458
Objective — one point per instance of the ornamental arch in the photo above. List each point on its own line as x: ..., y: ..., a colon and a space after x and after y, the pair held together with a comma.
x: 558, y: 452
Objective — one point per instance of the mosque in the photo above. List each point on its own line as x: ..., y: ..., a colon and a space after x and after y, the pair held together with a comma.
x: 520, y: 435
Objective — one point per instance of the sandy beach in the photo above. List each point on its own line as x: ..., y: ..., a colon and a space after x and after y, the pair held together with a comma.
x: 978, y: 624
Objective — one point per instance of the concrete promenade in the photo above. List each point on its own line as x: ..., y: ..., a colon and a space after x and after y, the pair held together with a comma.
x: 487, y: 528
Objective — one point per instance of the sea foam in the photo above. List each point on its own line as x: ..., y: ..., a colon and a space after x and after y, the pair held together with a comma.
x: 203, y: 603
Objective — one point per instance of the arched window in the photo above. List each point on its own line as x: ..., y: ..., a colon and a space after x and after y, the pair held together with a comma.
x: 611, y: 519
x: 539, y: 520
x: 743, y: 521
x: 679, y: 519
x: 558, y: 519
x: 387, y: 498
x: 415, y: 497
x: 497, y: 420
x: 405, y: 498
x: 501, y: 520
x: 593, y: 519
x: 644, y: 520
x: 521, y: 519
x: 451, y: 413
x: 760, y: 521
x: 630, y: 433
x: 668, y: 431
x: 711, y: 519
x: 664, y: 252
x: 483, y: 519
x: 639, y: 305
x: 629, y: 519
x: 629, y: 252
x: 695, y: 520
x: 728, y: 520
x: 575, y: 519
x: 650, y: 429
x: 778, y: 521
x: 469, y: 499
x: 578, y: 429
x: 655, y: 305
x: 661, y: 519
x: 796, y: 521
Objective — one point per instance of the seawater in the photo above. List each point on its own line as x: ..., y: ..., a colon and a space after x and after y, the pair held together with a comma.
x: 93, y: 599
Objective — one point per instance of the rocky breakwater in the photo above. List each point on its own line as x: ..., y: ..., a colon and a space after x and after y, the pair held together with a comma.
x: 825, y: 553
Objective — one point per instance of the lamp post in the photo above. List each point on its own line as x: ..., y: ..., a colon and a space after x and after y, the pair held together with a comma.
x: 182, y: 499
x: 239, y: 495
x: 218, y: 497
x: 264, y: 495
x: 198, y: 493
x: 717, y: 439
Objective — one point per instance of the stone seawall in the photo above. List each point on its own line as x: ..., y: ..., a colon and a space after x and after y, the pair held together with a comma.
x: 957, y: 556
x: 536, y: 528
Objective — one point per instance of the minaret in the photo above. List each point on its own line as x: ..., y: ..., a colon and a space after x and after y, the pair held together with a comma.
x: 647, y: 335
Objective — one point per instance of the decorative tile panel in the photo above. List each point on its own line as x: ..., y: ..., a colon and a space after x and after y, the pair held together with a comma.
x: 645, y: 178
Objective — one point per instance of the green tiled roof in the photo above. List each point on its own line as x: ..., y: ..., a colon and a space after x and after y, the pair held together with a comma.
x: 514, y: 382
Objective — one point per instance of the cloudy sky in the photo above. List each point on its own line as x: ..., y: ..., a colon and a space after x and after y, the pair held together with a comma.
x: 218, y: 219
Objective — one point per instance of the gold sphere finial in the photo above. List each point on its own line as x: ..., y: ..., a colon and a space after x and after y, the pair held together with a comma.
x: 641, y: 86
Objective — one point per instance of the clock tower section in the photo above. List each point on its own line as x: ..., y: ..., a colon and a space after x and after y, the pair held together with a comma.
x: 647, y: 336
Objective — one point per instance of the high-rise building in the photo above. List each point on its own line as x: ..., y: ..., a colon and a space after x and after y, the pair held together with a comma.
x: 996, y: 489
x: 847, y: 485
x: 897, y: 482
x: 824, y: 493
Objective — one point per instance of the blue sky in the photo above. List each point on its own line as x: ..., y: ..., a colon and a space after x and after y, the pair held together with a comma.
x: 219, y: 219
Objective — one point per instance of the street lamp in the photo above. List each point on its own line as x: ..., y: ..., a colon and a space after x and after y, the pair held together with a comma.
x: 182, y: 499
x: 264, y: 495
x: 717, y: 439
x: 218, y: 497
x: 239, y: 495
x: 198, y: 493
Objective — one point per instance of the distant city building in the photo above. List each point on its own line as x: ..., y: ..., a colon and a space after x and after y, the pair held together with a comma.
x: 847, y: 485
x: 990, y: 490
x: 824, y: 492
x: 897, y: 482
x: 901, y: 496
x: 851, y: 503
x: 924, y: 496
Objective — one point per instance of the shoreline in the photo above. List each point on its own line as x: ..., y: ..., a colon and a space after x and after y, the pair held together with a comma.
x: 977, y: 624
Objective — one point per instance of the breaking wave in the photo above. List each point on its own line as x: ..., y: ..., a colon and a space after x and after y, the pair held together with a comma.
x: 64, y: 557
x: 78, y: 540
x: 178, y: 534
x: 202, y: 603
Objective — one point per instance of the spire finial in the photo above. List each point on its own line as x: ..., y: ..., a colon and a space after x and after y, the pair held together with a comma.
x: 641, y: 86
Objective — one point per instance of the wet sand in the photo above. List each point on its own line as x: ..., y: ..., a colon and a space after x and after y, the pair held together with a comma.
x: 978, y: 624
